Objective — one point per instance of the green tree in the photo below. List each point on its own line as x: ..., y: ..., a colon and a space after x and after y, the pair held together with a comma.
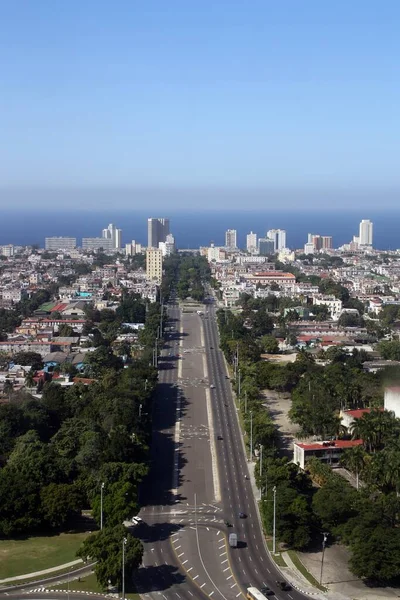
x: 105, y: 547
x: 60, y: 503
x: 269, y: 344
x: 334, y: 503
x: 26, y: 359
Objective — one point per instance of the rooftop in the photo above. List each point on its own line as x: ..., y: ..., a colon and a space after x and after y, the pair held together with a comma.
x: 342, y: 444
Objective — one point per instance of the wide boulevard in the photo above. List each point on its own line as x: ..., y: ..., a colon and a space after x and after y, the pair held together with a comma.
x: 199, y: 477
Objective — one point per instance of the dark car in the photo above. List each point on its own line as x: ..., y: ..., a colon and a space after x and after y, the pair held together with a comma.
x: 219, y: 437
x: 284, y: 586
x: 267, y: 591
x: 228, y: 523
x: 242, y: 515
x: 211, y: 348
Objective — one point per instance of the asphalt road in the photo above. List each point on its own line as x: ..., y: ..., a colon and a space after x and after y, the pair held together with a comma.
x: 251, y: 563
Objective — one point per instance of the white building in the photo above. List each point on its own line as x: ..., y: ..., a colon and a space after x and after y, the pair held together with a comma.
x: 279, y: 237
x: 167, y: 247
x: 95, y: 243
x: 215, y: 253
x: 251, y: 242
x: 392, y: 399
x: 60, y: 243
x: 7, y: 250
x: 154, y: 260
x: 309, y: 248
x: 365, y: 235
x: 113, y: 234
x: 334, y: 305
x: 231, y: 239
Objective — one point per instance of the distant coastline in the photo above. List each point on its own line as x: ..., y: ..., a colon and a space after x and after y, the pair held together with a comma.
x: 194, y: 229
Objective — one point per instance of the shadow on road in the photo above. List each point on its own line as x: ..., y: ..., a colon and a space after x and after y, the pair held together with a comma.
x: 157, y: 579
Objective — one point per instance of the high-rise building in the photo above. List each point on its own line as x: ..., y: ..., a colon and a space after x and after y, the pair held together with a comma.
x: 60, y: 243
x: 168, y: 247
x: 327, y: 242
x: 231, y: 239
x: 112, y: 233
x: 365, y: 235
x: 157, y: 231
x: 154, y: 262
x: 97, y: 243
x: 279, y: 237
x: 251, y: 242
x: 266, y: 246
x: 7, y: 250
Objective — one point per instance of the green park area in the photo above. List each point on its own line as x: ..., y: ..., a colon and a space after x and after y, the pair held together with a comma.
x: 31, y: 554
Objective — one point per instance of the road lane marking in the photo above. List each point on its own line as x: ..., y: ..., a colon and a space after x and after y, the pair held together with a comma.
x: 185, y: 561
x: 227, y: 569
x: 191, y: 569
x: 177, y: 547
x: 202, y: 585
x: 224, y: 561
x: 195, y: 577
x: 181, y: 554
x: 223, y: 553
x: 230, y: 577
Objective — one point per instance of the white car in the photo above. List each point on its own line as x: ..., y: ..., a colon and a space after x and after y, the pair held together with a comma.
x: 212, y: 386
x: 137, y: 520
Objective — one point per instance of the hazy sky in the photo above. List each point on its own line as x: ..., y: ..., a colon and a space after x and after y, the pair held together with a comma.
x: 198, y: 102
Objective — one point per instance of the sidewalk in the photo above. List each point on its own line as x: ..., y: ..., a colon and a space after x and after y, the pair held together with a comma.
x: 44, y: 572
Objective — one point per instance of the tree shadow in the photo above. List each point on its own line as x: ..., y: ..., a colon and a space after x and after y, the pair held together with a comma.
x: 157, y: 579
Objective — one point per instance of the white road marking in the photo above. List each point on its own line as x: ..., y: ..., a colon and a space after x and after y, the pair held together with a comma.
x: 223, y: 553
x: 191, y: 569
x: 234, y: 585
x: 202, y: 585
x: 227, y: 569
x: 185, y: 561
x: 181, y: 554
x: 230, y: 577
x: 195, y: 577
x: 177, y: 547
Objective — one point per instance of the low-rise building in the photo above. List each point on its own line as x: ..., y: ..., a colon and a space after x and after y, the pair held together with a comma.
x: 328, y: 452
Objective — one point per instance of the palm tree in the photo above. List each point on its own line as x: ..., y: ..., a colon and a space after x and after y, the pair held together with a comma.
x: 29, y: 379
x: 354, y: 459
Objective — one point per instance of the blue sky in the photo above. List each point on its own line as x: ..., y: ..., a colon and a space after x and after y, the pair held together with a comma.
x: 197, y: 102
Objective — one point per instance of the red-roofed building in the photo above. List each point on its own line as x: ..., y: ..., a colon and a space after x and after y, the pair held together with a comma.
x: 328, y: 452
x: 268, y: 277
x: 347, y: 417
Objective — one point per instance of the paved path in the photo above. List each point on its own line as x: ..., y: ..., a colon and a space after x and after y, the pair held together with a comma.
x: 43, y: 572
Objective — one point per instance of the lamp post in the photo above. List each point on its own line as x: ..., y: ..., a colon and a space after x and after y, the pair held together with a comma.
x: 261, y: 451
x: 251, y: 436
x: 239, y: 385
x: 124, y: 541
x: 101, y: 505
x: 323, y: 555
x: 140, y: 411
x: 245, y: 403
x: 274, y: 523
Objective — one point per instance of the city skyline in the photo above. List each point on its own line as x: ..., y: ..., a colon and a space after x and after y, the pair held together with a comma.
x: 239, y: 116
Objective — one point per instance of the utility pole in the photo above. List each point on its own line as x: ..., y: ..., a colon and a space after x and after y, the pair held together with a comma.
x: 239, y: 384
x: 274, y: 523
x: 101, y: 505
x: 245, y: 403
x: 124, y: 541
x: 261, y: 451
x: 323, y: 555
x: 251, y: 436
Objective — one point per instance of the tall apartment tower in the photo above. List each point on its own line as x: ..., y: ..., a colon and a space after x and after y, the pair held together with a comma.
x: 366, y: 230
x: 327, y: 242
x: 154, y: 261
x: 112, y: 233
x: 157, y: 231
x: 279, y: 237
x: 251, y: 242
x: 231, y: 239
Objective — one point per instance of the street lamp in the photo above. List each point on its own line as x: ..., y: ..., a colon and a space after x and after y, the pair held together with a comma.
x: 101, y: 506
x: 140, y: 411
x: 323, y: 555
x: 239, y: 385
x: 274, y: 523
x: 124, y: 541
x: 251, y: 436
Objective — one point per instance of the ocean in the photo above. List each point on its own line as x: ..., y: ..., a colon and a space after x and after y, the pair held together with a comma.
x: 194, y: 229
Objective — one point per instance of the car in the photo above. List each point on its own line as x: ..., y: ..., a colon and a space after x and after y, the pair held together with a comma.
x: 212, y: 386
x: 242, y: 515
x: 228, y: 524
x: 267, y: 591
x: 211, y: 347
x: 284, y: 586
x: 219, y: 437
x: 137, y: 520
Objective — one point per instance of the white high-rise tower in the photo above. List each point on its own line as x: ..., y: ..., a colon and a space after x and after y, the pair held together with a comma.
x: 113, y: 234
x: 231, y: 239
x: 366, y: 230
x: 251, y: 242
x: 279, y: 237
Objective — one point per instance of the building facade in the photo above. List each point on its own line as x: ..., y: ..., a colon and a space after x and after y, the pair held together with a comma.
x: 266, y: 247
x: 231, y: 239
x: 279, y: 238
x: 251, y: 242
x: 60, y: 243
x: 95, y: 243
x: 154, y: 260
x: 157, y: 231
x: 114, y: 234
x: 366, y: 231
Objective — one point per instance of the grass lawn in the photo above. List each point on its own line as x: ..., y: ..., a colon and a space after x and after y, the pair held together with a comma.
x: 299, y: 565
x: 20, y: 556
x: 278, y: 558
x: 87, y: 583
